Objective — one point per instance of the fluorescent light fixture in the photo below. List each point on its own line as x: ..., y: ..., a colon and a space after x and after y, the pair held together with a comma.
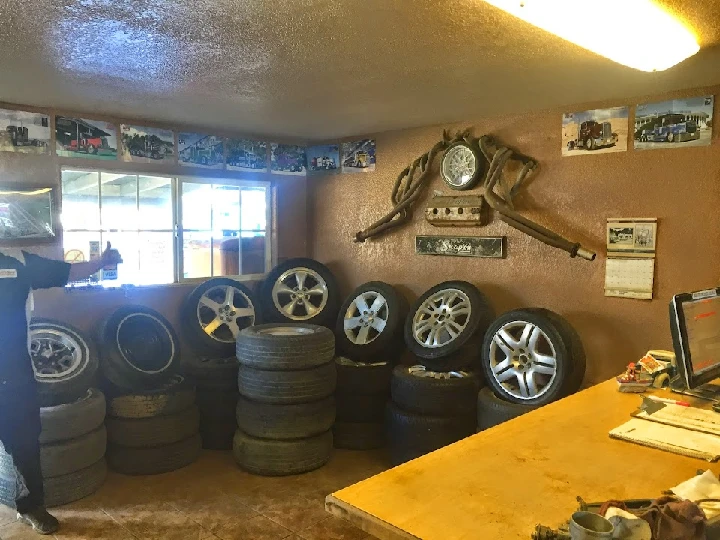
x: 635, y: 33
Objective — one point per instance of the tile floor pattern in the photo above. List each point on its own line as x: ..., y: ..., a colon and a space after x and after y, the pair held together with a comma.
x: 212, y: 500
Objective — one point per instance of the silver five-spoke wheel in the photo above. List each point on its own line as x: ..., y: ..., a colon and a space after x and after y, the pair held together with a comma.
x: 366, y: 317
x: 441, y: 318
x: 223, y: 311
x: 300, y: 294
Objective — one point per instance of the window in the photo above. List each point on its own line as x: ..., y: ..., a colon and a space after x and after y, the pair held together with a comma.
x: 168, y: 229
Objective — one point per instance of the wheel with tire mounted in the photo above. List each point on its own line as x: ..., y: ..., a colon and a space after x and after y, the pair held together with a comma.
x: 362, y: 378
x: 444, y: 319
x: 370, y: 321
x: 293, y: 421
x: 525, y: 358
x: 419, y: 390
x: 155, y: 460
x: 71, y: 420
x: 286, y: 387
x: 300, y: 290
x: 280, y: 458
x: 64, y: 360
x: 211, y: 372
x: 462, y: 165
x: 154, y: 431
x: 358, y: 435
x: 172, y: 397
x: 412, y: 435
x: 139, y: 348
x: 285, y: 346
x: 214, y: 313
x: 491, y: 410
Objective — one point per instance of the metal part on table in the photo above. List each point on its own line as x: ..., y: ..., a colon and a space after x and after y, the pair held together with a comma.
x: 546, y: 533
x: 462, y: 211
x: 461, y: 246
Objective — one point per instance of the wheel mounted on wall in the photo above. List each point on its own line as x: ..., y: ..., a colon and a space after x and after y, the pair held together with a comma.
x: 300, y: 290
x: 214, y: 313
x: 462, y: 166
x: 64, y: 361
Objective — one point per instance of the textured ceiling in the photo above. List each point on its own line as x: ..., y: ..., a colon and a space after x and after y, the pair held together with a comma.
x: 316, y: 69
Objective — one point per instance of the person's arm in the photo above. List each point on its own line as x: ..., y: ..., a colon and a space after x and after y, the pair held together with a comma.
x: 47, y: 273
x: 83, y: 270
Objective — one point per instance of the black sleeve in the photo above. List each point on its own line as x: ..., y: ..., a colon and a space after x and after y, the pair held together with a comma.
x: 46, y: 273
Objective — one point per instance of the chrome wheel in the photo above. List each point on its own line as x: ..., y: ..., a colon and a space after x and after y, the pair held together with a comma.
x: 422, y: 371
x: 54, y: 353
x: 441, y: 318
x: 366, y: 317
x: 343, y: 361
x: 523, y: 360
x: 459, y: 165
x: 300, y: 294
x: 223, y: 311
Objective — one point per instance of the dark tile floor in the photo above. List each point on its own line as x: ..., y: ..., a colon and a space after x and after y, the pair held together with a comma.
x: 210, y: 500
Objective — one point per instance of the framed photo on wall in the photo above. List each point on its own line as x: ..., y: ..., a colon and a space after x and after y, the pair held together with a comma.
x: 27, y: 214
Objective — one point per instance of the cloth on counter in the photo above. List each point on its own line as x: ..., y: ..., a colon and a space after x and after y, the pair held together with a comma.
x: 668, y: 518
x: 628, y: 526
x: 702, y: 486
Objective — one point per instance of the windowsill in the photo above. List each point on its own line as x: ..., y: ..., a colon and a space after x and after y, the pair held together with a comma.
x: 112, y: 285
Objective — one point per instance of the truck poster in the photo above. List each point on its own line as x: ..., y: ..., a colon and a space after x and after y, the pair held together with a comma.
x: 358, y: 156
x: 79, y: 137
x: 246, y: 155
x: 598, y: 131
x: 147, y: 145
x: 201, y: 150
x: 287, y: 159
x: 678, y: 123
x: 324, y: 157
x: 24, y: 132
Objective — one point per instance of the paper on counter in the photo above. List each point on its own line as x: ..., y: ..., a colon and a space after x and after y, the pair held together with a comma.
x: 669, y: 438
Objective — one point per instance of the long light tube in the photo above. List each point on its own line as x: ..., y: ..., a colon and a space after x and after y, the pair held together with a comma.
x: 635, y: 33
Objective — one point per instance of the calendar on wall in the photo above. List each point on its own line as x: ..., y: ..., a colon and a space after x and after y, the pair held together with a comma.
x: 630, y: 264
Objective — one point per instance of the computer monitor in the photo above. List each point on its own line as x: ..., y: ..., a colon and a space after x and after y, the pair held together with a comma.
x: 695, y: 329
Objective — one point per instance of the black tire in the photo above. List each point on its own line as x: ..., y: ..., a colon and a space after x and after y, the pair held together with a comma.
x: 60, y: 458
x: 327, y: 313
x: 285, y: 346
x: 286, y: 387
x: 412, y: 435
x: 217, y: 434
x: 279, y: 422
x: 281, y: 458
x: 480, y: 317
x: 216, y: 404
x: 71, y: 487
x: 574, y: 345
x: 392, y: 312
x: 491, y: 410
x: 71, y: 420
x: 358, y: 436
x: 363, y: 408
x: 479, y: 171
x: 170, y: 398
x: 139, y: 348
x: 427, y: 392
x: 155, y: 431
x: 551, y: 387
x: 160, y: 459
x: 467, y: 358
x: 196, y: 316
x: 65, y: 361
x: 213, y: 373
x: 360, y: 378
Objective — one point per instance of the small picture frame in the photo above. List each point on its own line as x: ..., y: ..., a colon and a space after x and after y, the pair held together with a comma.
x: 27, y: 215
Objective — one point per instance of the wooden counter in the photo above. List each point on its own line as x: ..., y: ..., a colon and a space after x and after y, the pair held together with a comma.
x: 502, y: 482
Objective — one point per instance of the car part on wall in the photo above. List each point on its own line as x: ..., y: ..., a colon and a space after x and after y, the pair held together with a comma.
x: 464, y: 211
x: 461, y: 246
x: 300, y: 290
x: 462, y: 165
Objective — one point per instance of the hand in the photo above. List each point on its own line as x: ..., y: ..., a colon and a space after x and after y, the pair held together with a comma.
x: 110, y: 256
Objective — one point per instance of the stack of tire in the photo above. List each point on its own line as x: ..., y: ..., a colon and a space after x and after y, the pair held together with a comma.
x: 286, y: 381
x: 530, y: 357
x: 72, y: 414
x: 212, y: 316
x: 434, y: 403
x: 368, y: 334
x: 152, y: 422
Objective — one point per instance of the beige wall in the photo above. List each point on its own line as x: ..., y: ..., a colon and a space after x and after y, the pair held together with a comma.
x: 574, y: 196
x: 85, y: 308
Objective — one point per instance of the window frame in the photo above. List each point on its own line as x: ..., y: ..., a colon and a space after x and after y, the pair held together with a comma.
x: 176, y: 183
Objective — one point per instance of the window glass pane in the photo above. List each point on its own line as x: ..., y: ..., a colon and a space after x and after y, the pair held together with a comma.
x: 127, y: 244
x: 156, y: 258
x: 80, y: 200
x: 254, y: 209
x: 156, y: 211
x: 76, y: 246
x: 196, y: 254
x: 197, y: 206
x: 226, y: 211
x: 253, y: 253
x: 119, y: 201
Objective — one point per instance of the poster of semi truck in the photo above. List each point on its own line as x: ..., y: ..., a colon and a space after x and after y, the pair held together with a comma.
x: 25, y: 132
x: 598, y: 131
x: 325, y: 157
x: 147, y: 145
x: 287, y: 159
x: 200, y: 150
x: 677, y: 123
x: 246, y: 155
x: 79, y: 137
x: 358, y: 156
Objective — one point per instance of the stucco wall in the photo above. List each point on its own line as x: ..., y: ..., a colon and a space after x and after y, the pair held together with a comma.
x: 574, y: 196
